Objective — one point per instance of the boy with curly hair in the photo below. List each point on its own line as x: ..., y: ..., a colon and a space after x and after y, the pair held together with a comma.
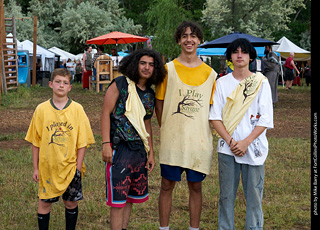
x: 127, y: 135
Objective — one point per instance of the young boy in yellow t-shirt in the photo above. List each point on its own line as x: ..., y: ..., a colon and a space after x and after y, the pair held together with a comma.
x: 60, y: 132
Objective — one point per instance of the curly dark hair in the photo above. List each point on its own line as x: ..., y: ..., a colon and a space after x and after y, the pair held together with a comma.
x: 245, y: 45
x: 195, y: 29
x: 129, y: 66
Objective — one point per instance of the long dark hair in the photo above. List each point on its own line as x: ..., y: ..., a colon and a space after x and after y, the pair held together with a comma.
x: 129, y: 66
x: 245, y: 45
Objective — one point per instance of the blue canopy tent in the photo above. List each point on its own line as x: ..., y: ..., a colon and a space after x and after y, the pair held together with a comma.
x: 224, y: 41
x: 221, y: 51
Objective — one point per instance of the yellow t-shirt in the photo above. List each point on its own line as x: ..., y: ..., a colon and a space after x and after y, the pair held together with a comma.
x: 230, y: 64
x: 58, y: 134
x: 187, y: 76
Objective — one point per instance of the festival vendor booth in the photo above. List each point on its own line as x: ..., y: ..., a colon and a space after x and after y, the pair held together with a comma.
x: 114, y: 38
x: 23, y: 56
x: 23, y: 67
x: 285, y: 47
x: 62, y: 55
x: 45, y: 61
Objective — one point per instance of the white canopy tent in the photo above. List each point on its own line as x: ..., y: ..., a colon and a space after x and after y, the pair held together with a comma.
x: 64, y: 55
x: 286, y: 46
x: 46, y: 56
x: 79, y: 56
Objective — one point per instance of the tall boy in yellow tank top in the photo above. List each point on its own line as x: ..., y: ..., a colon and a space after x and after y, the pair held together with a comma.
x: 182, y: 108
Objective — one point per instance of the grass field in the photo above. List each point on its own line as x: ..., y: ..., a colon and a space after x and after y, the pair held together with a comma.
x: 286, y: 202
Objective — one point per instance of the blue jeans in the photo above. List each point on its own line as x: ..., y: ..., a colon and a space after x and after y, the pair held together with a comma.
x: 252, y: 182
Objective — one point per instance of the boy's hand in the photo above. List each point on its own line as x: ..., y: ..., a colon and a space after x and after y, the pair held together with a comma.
x: 239, y: 148
x: 35, y: 175
x: 150, y: 163
x: 107, y: 153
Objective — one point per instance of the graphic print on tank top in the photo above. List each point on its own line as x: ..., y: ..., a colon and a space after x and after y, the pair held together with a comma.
x: 190, y: 103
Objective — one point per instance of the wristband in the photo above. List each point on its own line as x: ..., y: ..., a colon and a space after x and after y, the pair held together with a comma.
x: 230, y: 141
x: 106, y: 142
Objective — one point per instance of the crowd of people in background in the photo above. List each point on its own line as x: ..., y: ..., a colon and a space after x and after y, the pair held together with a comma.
x: 269, y: 65
x: 82, y: 69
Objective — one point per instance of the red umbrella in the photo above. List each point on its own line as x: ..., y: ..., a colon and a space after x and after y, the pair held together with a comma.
x: 116, y: 38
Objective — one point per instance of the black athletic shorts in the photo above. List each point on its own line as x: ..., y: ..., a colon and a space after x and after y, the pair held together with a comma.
x: 73, y: 192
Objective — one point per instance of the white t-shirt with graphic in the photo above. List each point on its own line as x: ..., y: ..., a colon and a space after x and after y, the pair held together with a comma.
x: 260, y: 113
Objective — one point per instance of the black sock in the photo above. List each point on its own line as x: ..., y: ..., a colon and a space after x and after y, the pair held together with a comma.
x: 43, y: 221
x: 71, y: 218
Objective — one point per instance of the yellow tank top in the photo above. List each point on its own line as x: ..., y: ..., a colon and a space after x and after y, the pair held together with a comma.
x: 186, y: 138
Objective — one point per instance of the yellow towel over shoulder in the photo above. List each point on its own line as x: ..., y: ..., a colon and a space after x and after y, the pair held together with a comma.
x: 239, y: 101
x: 135, y: 113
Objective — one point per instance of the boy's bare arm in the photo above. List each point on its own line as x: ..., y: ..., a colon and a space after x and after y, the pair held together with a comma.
x: 35, y: 159
x: 219, y: 127
x: 159, y: 108
x: 80, y: 157
x: 110, y: 101
x: 150, y: 163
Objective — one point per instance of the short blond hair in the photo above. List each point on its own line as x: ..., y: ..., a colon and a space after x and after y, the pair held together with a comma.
x: 62, y: 72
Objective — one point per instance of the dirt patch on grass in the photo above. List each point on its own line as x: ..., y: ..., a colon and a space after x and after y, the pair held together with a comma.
x: 14, y: 144
x: 14, y: 121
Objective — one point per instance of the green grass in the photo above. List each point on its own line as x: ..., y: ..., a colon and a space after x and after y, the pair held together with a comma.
x: 286, y: 202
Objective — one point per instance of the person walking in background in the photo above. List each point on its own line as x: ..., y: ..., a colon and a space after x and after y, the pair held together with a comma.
x: 87, y: 67
x: 78, y: 72
x: 114, y: 52
x: 271, y: 71
x: 182, y: 109
x: 95, y: 56
x: 307, y: 74
x: 70, y: 66
x: 288, y: 74
x: 63, y: 64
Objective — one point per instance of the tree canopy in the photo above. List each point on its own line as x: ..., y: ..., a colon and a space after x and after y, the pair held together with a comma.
x: 69, y: 23
x: 263, y: 18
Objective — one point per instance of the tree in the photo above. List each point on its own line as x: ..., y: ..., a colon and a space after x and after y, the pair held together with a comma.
x: 80, y: 23
x: 259, y: 18
x: 69, y: 24
x: 88, y: 20
x: 299, y: 27
x: 163, y: 17
x: 24, y: 27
